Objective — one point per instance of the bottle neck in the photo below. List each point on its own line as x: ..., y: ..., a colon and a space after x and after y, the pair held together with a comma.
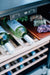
x: 28, y: 39
x: 10, y: 48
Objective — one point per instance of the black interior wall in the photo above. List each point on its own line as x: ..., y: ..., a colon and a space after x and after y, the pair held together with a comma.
x: 45, y: 11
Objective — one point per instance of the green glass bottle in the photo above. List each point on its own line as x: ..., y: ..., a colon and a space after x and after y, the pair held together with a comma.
x: 4, y: 40
x: 3, y: 36
x: 19, y: 30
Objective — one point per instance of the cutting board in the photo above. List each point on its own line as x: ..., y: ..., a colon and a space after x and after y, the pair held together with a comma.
x: 33, y: 31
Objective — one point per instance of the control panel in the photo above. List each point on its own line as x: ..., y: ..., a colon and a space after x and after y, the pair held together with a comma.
x: 23, y: 13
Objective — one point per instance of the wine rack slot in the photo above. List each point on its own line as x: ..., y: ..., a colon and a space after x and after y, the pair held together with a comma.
x: 25, y: 54
x: 20, y: 50
x: 30, y: 65
x: 27, y: 58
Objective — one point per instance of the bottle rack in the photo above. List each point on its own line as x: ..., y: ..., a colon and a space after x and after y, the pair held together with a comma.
x: 23, y: 49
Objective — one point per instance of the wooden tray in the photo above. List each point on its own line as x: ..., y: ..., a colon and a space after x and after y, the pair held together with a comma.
x: 33, y: 31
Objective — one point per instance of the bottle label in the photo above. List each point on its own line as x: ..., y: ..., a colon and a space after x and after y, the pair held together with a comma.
x: 13, y: 24
x: 2, y: 30
x: 28, y: 39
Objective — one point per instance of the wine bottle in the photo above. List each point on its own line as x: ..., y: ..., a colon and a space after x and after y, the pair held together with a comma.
x: 33, y: 53
x: 3, y: 36
x: 4, y: 40
x: 33, y: 60
x: 10, y: 48
x: 19, y: 30
x: 20, y: 60
x: 7, y: 67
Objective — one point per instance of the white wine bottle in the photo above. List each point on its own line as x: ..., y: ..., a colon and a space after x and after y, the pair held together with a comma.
x: 20, y: 60
x: 33, y: 53
x: 19, y: 30
x: 7, y: 67
x: 4, y: 40
x: 10, y: 48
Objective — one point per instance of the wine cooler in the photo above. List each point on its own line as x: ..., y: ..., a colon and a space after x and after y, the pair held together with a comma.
x: 19, y: 54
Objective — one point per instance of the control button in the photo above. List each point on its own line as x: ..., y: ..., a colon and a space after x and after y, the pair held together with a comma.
x: 25, y: 12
